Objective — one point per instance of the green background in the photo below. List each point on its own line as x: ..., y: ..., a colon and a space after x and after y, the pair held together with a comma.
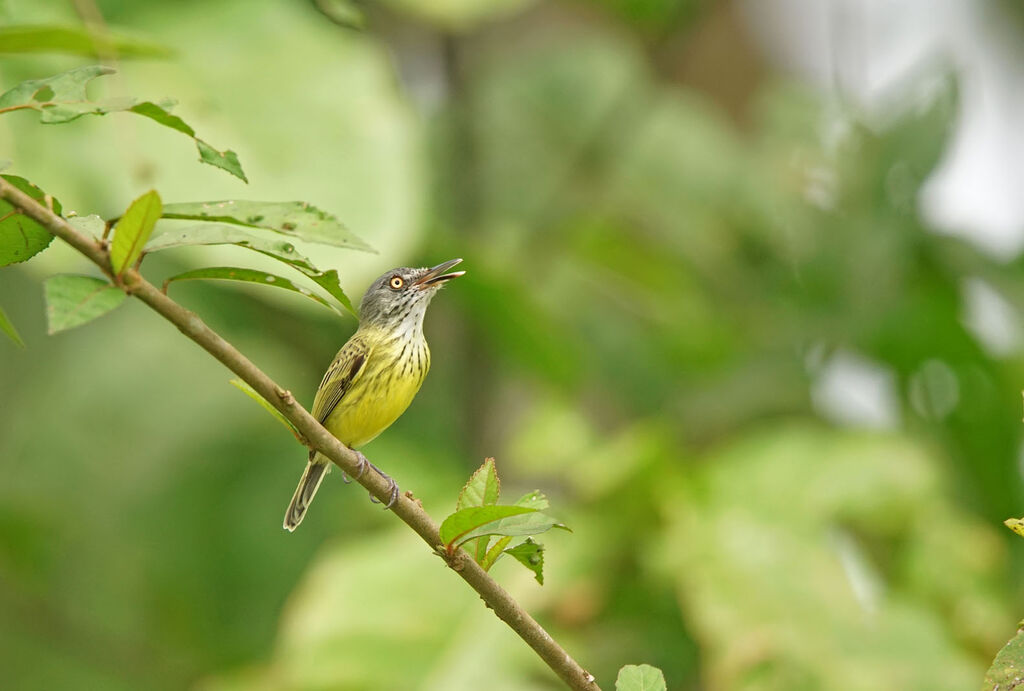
x: 664, y: 251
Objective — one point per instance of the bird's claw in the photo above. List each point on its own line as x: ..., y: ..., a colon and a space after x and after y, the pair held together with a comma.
x: 392, y: 488
x: 363, y: 462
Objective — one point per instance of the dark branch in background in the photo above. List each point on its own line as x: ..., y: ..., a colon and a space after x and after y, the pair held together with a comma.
x: 406, y: 508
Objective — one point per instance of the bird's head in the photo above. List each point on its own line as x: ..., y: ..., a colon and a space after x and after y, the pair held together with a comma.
x: 400, y: 296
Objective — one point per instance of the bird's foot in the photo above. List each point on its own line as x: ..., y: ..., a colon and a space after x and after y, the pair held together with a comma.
x: 363, y: 463
x: 392, y: 488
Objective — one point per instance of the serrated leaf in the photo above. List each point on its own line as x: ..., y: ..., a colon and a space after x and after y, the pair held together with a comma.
x: 533, y: 500
x: 8, y: 328
x: 264, y: 403
x: 75, y: 300
x: 63, y: 98
x: 231, y: 273
x: 1016, y: 525
x: 531, y: 555
x: 483, y: 487
x: 21, y: 238
x: 133, y: 230
x: 296, y: 219
x: 640, y: 678
x: 76, y: 40
x: 225, y: 160
x: 494, y: 552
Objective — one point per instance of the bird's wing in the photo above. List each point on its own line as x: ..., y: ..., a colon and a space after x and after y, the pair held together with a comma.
x: 348, y: 365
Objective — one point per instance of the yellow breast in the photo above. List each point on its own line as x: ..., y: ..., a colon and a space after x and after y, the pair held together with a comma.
x: 389, y: 382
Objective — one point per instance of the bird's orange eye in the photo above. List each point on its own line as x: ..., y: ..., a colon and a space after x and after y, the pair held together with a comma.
x: 396, y: 282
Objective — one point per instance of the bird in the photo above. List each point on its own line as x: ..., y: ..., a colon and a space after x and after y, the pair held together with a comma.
x: 375, y: 375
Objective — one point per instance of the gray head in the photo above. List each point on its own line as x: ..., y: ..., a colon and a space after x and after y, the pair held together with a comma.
x: 400, y: 296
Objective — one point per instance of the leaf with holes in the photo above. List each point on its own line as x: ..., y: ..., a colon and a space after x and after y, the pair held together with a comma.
x: 63, y: 98
x: 640, y: 678
x: 223, y: 234
x: 225, y: 160
x: 296, y: 219
x: 8, y: 328
x: 21, y: 238
x: 231, y: 273
x: 1016, y: 525
x: 133, y: 230
x: 75, y: 300
x: 1007, y: 669
x: 76, y: 40
x: 531, y: 555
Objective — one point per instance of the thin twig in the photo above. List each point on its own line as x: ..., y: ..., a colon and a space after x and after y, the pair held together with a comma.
x: 408, y: 510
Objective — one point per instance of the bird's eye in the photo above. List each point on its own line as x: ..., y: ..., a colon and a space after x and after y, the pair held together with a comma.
x: 396, y: 282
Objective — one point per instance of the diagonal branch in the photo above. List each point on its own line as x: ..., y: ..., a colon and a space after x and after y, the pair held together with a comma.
x: 407, y: 509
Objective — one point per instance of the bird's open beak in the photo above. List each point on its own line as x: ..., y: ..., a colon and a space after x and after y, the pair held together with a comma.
x: 437, y: 275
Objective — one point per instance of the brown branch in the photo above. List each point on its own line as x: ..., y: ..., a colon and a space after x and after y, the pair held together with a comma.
x: 408, y: 510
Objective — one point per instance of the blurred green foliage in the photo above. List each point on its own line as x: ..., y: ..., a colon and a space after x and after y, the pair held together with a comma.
x: 655, y: 289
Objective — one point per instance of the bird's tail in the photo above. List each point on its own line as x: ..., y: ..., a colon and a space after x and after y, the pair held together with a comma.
x: 316, y: 469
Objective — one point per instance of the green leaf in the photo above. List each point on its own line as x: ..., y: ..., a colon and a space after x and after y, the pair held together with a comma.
x: 76, y: 40
x: 230, y: 273
x: 226, y: 160
x: 462, y: 522
x: 531, y: 523
x: 63, y: 98
x: 533, y: 500
x: 343, y: 13
x: 255, y: 395
x: 483, y: 487
x: 75, y: 300
x: 91, y: 225
x: 531, y: 555
x: 640, y: 678
x: 1016, y: 525
x: 296, y: 219
x: 222, y: 234
x: 1008, y: 667
x: 8, y: 328
x: 477, y: 521
x: 494, y: 552
x: 133, y: 231
x: 21, y: 238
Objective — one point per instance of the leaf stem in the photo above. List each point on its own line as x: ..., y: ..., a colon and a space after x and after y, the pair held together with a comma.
x: 408, y: 510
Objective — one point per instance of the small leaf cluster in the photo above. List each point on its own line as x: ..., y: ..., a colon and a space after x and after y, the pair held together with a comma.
x: 485, y: 529
x: 144, y: 227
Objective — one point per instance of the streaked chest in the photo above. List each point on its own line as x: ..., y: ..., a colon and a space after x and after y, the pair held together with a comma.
x: 392, y: 377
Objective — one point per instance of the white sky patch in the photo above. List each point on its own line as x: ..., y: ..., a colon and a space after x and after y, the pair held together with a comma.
x: 989, y: 316
x: 854, y: 391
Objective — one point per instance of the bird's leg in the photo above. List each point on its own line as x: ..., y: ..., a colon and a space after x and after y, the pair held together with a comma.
x: 362, y: 467
x: 393, y: 488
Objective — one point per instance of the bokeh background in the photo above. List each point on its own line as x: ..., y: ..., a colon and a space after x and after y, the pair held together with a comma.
x: 743, y: 296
